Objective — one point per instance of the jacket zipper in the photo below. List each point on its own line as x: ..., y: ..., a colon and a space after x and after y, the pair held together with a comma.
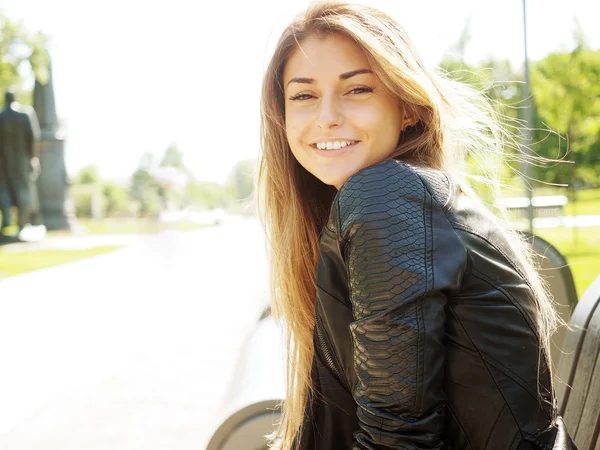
x: 329, y: 361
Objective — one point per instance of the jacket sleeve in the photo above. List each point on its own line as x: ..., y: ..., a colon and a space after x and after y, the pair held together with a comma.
x: 386, y: 219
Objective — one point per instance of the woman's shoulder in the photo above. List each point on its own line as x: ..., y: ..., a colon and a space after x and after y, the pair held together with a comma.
x: 391, y: 180
x: 388, y: 188
x: 379, y: 173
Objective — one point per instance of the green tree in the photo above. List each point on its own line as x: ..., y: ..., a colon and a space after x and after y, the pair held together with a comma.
x: 20, y: 49
x: 242, y: 178
x: 172, y: 165
x: 209, y: 195
x: 144, y: 188
x: 497, y: 81
x: 114, y: 200
x: 86, y: 192
x: 566, y: 89
x: 172, y: 158
x: 88, y: 175
x: 455, y: 53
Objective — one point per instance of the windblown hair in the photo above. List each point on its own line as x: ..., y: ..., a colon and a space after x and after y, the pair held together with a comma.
x: 453, y: 121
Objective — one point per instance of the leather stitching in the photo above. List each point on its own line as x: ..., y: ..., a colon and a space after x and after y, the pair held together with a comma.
x: 495, y: 246
x: 333, y: 297
x: 510, y: 374
x: 494, y: 426
x: 485, y: 364
x: 513, y: 301
x: 451, y: 411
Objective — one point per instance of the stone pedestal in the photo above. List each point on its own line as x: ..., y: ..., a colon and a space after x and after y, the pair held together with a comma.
x: 57, y: 209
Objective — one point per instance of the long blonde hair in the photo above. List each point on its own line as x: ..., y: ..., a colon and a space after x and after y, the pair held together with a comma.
x: 453, y: 121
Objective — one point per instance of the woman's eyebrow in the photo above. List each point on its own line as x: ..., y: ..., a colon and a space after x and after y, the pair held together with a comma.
x: 352, y: 73
x: 343, y: 76
x: 301, y: 80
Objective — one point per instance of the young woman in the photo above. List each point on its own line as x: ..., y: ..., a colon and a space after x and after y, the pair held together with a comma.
x: 413, y: 318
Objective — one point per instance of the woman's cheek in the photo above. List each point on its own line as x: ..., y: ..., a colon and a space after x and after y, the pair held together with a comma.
x: 297, y: 124
x: 291, y: 125
x: 366, y: 116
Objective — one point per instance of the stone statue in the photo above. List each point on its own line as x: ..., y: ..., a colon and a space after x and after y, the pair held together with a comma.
x: 19, y: 162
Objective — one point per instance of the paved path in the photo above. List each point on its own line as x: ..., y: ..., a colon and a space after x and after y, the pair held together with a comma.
x: 129, y: 350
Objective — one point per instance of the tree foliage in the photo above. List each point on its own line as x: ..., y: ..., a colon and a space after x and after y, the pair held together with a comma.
x: 88, y: 175
x: 242, y: 178
x: 206, y: 195
x: 144, y: 188
x: 114, y: 200
x: 565, y: 89
x: 20, y: 51
x: 172, y: 158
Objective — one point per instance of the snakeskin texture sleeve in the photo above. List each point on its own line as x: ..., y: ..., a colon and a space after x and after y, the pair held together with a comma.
x: 386, y: 220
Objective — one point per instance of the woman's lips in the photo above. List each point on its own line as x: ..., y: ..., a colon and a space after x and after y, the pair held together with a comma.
x: 334, y: 152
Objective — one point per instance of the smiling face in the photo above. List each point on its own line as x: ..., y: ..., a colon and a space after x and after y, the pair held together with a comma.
x: 339, y: 116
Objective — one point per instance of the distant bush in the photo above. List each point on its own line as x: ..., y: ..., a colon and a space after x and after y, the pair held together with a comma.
x: 115, y: 202
x: 87, y: 200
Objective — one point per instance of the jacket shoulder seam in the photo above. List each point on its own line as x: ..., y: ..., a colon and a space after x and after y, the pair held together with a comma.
x: 513, y: 301
x: 444, y: 210
x: 507, y: 258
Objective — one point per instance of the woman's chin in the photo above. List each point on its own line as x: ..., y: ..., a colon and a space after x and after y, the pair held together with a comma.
x: 334, y: 178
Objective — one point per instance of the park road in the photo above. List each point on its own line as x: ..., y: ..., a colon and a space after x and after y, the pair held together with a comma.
x: 133, y: 349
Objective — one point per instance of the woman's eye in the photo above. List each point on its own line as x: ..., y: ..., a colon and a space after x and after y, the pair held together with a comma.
x: 301, y: 97
x: 361, y: 90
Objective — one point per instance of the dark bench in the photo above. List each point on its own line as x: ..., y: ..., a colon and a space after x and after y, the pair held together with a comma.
x: 555, y: 270
x: 578, y: 380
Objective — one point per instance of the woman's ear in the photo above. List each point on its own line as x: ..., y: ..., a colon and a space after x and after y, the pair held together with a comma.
x: 409, y: 118
x: 408, y: 124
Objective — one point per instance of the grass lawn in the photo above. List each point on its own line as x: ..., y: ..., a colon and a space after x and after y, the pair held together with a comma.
x: 581, y: 247
x: 588, y: 202
x: 28, y: 261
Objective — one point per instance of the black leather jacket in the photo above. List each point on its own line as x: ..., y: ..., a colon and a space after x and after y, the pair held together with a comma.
x: 424, y: 335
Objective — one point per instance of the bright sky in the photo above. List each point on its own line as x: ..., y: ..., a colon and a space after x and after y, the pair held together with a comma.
x: 132, y: 76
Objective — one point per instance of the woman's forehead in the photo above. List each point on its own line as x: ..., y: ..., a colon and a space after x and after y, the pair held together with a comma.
x: 331, y: 55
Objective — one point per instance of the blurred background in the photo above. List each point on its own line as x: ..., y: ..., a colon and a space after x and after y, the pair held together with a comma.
x: 123, y: 310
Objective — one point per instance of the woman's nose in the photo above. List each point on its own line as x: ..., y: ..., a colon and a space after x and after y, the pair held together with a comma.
x: 330, y: 114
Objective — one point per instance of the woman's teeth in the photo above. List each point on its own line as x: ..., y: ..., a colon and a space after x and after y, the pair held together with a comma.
x: 333, y: 145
